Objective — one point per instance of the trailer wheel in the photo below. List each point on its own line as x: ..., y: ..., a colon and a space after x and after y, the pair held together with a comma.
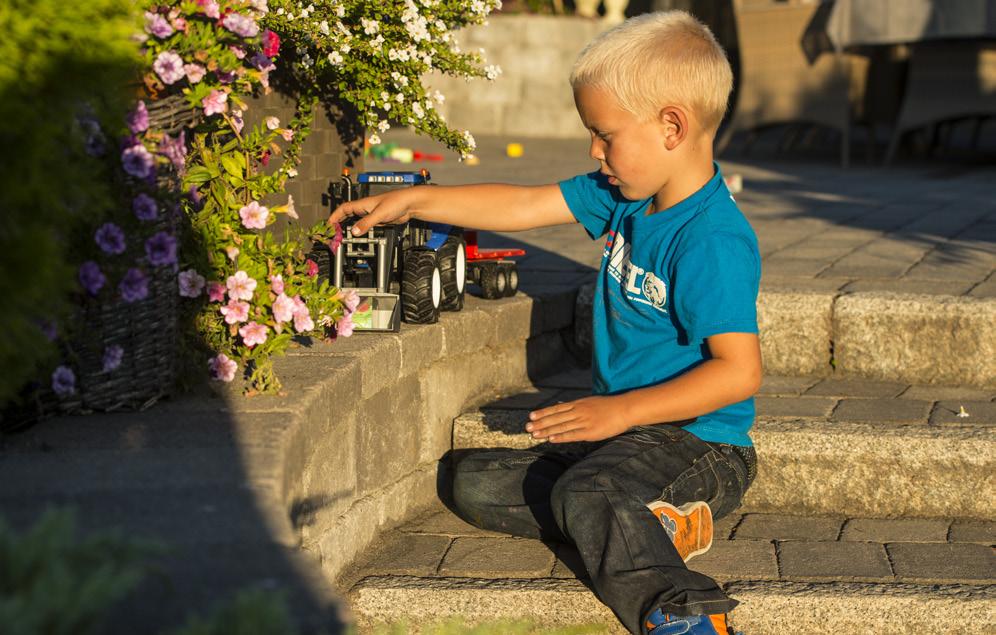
x: 421, y: 287
x: 492, y: 280
x: 453, y: 272
x: 511, y: 275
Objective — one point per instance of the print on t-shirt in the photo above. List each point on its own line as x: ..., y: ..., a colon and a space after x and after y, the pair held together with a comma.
x: 637, y: 283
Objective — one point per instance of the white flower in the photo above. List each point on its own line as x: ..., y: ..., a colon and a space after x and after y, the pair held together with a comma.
x: 492, y: 71
x: 346, y: 48
x: 439, y: 97
x: 383, y: 126
x: 400, y: 98
x: 417, y: 109
x: 335, y: 58
x: 469, y: 138
x: 340, y: 11
x: 374, y: 139
x: 291, y: 172
x: 323, y: 26
x: 370, y: 27
x: 272, y: 123
x: 377, y: 42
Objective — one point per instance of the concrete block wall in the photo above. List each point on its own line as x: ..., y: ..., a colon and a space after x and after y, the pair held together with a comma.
x: 372, y: 415
x: 532, y: 96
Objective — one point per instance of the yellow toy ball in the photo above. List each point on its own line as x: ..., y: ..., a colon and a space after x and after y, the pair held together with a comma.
x: 471, y: 159
x: 514, y: 150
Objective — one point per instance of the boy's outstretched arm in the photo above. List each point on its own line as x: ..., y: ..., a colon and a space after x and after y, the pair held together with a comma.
x: 491, y: 206
x: 731, y: 375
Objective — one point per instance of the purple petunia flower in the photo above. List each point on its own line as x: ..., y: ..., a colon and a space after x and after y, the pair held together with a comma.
x: 225, y: 77
x: 96, y: 143
x: 63, y: 381
x: 134, y: 286
x: 145, y: 207
x: 112, y: 357
x: 157, y: 25
x: 110, y: 239
x: 91, y: 277
x: 161, y: 249
x: 175, y: 149
x: 138, y: 161
x: 240, y: 25
x: 169, y: 67
x: 48, y: 329
x: 138, y: 119
x: 262, y: 62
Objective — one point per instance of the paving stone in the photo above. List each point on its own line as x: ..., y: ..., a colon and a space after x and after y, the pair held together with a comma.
x: 722, y: 528
x: 779, y: 527
x: 979, y: 412
x: 446, y: 523
x: 973, y: 531
x: 569, y: 564
x: 943, y: 562
x: 839, y: 387
x: 882, y: 410
x: 738, y: 560
x: 895, y: 530
x: 794, y: 406
x: 780, y: 385
x: 900, y: 285
x: 839, y: 561
x: 498, y: 558
x: 406, y: 554
x: 946, y: 393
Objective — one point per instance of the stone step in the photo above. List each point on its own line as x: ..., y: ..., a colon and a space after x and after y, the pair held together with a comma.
x: 798, y: 574
x: 931, y: 339
x: 826, y: 446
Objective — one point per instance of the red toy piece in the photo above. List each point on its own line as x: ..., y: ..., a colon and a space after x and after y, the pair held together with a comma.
x: 497, y: 277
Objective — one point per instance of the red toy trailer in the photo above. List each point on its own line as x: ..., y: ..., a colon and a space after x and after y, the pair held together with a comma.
x: 497, y: 277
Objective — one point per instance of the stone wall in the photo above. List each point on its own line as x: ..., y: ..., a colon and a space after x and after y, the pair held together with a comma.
x: 532, y: 97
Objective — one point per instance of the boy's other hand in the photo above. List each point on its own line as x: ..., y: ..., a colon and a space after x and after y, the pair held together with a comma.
x: 388, y: 208
x: 587, y: 419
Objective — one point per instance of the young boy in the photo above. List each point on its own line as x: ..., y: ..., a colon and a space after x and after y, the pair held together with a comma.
x: 676, y: 356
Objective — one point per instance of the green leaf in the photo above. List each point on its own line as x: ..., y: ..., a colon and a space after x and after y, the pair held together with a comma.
x: 197, y: 176
x: 233, y: 166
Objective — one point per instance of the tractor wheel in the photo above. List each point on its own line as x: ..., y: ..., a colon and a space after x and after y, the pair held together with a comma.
x: 421, y: 287
x: 511, y: 275
x: 453, y: 272
x: 492, y: 280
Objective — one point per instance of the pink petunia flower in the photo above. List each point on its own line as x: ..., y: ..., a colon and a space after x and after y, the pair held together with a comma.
x: 253, y: 333
x: 238, y: 50
x: 291, y: 210
x: 237, y: 122
x: 215, y: 103
x: 235, y: 311
x: 240, y: 24
x: 157, y: 25
x: 232, y: 252
x: 337, y: 239
x: 344, y: 327
x: 283, y: 309
x: 287, y: 134
x: 240, y: 286
x: 302, y: 317
x: 272, y: 123
x: 312, y: 267
x: 254, y: 215
x: 277, y: 284
x: 350, y: 299
x: 210, y: 8
x: 191, y: 283
x: 271, y: 43
x: 216, y: 292
x: 169, y: 67
x: 195, y: 72
x: 222, y: 368
x: 138, y: 119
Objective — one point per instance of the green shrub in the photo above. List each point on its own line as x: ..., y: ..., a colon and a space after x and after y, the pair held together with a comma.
x: 57, y: 60
x: 54, y: 584
x: 251, y: 612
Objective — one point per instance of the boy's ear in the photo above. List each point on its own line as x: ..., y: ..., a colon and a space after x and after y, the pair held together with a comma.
x: 675, y: 123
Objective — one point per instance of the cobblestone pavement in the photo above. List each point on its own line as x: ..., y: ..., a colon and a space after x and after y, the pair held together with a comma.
x: 922, y: 229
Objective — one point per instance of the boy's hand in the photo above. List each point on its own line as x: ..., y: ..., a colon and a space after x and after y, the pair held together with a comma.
x: 390, y: 207
x: 587, y: 419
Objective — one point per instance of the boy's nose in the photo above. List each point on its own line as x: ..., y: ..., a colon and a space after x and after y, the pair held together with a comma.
x: 595, y: 150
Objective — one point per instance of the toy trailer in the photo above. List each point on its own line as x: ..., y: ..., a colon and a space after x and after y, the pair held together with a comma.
x: 410, y: 271
x: 497, y: 277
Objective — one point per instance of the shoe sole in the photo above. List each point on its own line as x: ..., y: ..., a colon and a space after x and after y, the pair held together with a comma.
x: 689, y: 527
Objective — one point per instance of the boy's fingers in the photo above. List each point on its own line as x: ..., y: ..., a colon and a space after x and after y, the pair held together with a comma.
x: 551, y: 410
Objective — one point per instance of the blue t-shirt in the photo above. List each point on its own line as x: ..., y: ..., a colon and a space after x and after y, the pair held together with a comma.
x: 668, y: 281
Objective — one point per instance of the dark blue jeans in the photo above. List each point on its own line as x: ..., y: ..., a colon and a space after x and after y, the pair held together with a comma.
x: 597, y: 499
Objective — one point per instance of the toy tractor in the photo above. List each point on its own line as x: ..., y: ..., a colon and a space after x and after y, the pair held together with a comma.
x: 410, y: 271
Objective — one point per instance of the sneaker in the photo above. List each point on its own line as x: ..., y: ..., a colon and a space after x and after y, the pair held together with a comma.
x: 689, y: 527
x: 660, y: 623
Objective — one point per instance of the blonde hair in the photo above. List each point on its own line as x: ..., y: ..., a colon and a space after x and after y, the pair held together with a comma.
x: 656, y: 59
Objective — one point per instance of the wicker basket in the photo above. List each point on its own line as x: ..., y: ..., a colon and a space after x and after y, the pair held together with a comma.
x: 172, y: 114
